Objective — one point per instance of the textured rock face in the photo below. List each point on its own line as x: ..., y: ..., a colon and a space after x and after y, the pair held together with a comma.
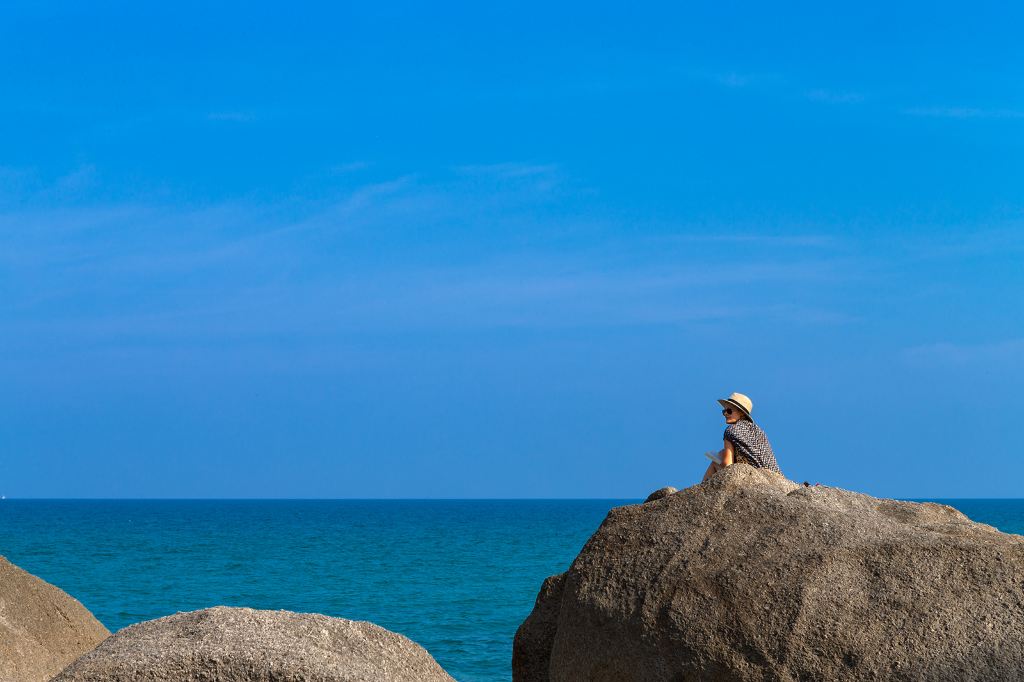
x: 42, y: 628
x: 660, y: 493
x: 532, y: 647
x: 236, y: 645
x: 752, y: 577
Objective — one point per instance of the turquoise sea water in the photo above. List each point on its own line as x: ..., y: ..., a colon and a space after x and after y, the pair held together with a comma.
x: 458, y: 577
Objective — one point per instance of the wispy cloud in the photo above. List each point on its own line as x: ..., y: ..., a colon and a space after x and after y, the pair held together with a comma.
x: 231, y: 116
x: 834, y: 96
x: 784, y: 86
x: 78, y: 180
x: 21, y: 185
x: 397, y: 255
x: 964, y: 112
x: 744, y: 79
x: 510, y: 169
x: 733, y: 79
x: 753, y: 238
x: 350, y: 167
x: 13, y: 174
x: 1004, y: 237
x: 1006, y: 352
x: 540, y: 177
x: 518, y: 292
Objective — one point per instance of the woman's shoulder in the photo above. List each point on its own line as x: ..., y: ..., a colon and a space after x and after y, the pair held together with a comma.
x: 741, y: 427
x: 755, y: 428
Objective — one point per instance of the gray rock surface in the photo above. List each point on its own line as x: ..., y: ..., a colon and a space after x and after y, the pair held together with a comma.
x: 235, y: 644
x: 42, y: 628
x: 660, y: 493
x: 750, y: 576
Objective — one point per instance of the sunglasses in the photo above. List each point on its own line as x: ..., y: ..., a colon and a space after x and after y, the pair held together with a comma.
x: 727, y: 410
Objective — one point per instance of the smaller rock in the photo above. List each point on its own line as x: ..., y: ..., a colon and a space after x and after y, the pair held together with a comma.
x: 42, y: 628
x: 660, y: 493
x: 246, y: 645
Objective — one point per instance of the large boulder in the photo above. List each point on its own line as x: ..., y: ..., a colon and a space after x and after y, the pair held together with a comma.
x: 237, y: 644
x: 750, y: 576
x: 42, y: 628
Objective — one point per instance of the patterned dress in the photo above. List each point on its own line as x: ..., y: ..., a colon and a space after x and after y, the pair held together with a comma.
x: 750, y: 445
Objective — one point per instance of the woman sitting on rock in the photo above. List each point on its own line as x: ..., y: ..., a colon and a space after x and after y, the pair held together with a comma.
x: 744, y: 440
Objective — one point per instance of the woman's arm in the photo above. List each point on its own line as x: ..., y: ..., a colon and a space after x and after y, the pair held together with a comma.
x: 727, y: 459
x: 728, y: 455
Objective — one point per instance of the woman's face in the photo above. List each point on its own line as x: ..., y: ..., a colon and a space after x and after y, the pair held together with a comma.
x: 731, y: 414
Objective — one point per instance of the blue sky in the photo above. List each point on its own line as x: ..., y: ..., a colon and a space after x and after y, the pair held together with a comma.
x: 507, y: 249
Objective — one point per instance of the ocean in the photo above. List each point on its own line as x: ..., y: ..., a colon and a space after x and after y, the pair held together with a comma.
x: 456, y: 576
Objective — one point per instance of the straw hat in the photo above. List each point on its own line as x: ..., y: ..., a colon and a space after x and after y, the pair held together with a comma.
x: 738, y: 400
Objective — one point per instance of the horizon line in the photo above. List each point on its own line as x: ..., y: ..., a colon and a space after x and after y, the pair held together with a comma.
x: 413, y: 499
